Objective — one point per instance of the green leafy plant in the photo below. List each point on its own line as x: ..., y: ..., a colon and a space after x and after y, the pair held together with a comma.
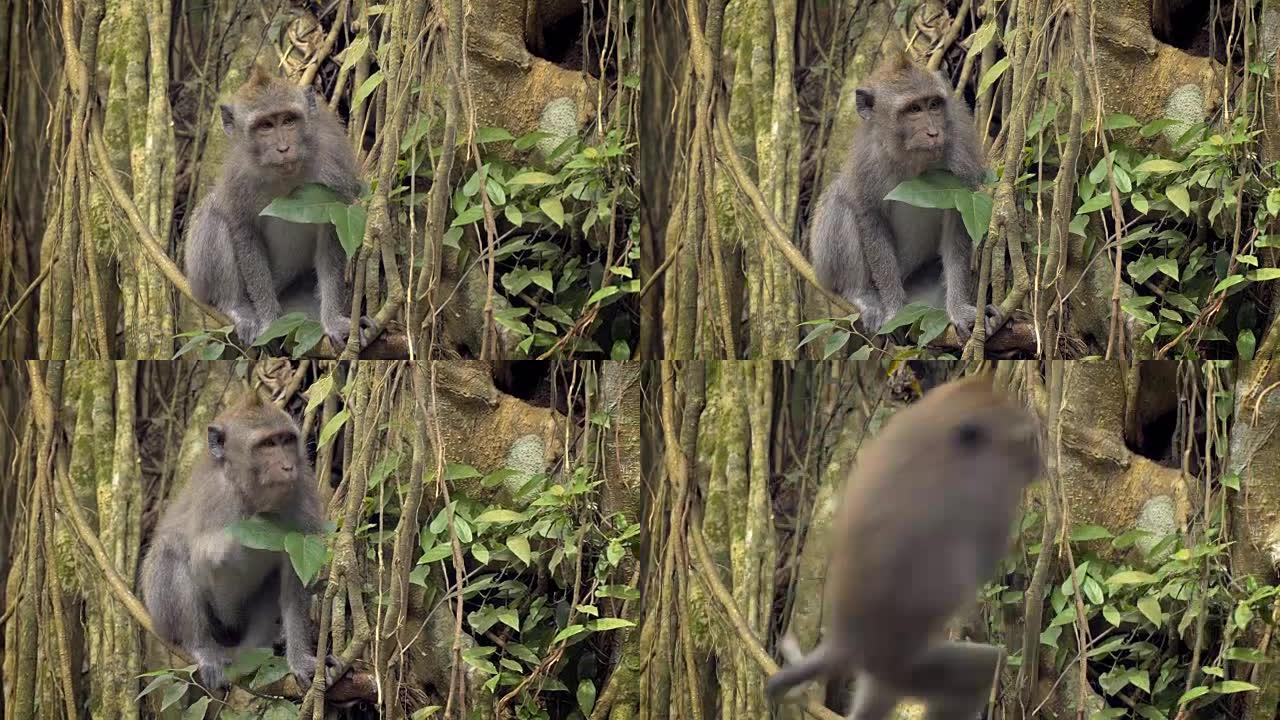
x: 556, y: 536
x: 1142, y: 617
x: 567, y: 252
x: 1194, y: 221
x: 307, y: 551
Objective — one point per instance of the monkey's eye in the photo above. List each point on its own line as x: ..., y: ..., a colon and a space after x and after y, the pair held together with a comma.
x: 970, y: 435
x: 913, y: 108
x: 935, y: 103
x: 290, y: 121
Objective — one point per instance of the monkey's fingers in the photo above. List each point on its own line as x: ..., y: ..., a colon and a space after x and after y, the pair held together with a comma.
x: 334, y: 670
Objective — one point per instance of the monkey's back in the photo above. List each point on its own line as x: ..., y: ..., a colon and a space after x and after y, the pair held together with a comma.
x: 924, y: 521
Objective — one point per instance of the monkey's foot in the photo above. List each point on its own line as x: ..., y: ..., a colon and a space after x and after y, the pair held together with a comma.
x: 338, y: 328
x: 964, y: 316
x: 304, y: 669
x: 995, y: 319
x: 247, y: 325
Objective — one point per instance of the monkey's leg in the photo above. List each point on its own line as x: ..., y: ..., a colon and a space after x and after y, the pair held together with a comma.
x: 255, y: 273
x: 332, y: 288
x: 877, y: 242
x: 953, y: 677
x: 872, y: 699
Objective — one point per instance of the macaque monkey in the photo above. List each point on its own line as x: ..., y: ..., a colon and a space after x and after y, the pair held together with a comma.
x: 247, y: 265
x: 208, y: 593
x: 862, y: 246
x: 925, y: 520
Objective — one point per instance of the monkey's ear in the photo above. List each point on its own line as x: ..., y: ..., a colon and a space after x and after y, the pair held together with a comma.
x: 228, y: 119
x: 217, y: 441
x: 865, y: 101
x: 309, y: 95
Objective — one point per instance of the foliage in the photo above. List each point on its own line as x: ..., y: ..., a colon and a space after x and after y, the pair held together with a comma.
x: 264, y: 531
x: 316, y: 204
x: 1142, y: 616
x: 557, y: 287
x: 1195, y: 219
x: 536, y: 577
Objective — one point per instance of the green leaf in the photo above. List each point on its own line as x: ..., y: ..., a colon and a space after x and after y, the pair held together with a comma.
x: 621, y: 351
x: 602, y: 293
x: 459, y: 471
x: 500, y: 515
x: 1095, y: 203
x: 307, y: 553
x: 543, y: 279
x: 586, y: 697
x: 531, y: 178
x: 933, y: 189
x: 1228, y: 282
x: 350, y: 222
x: 1233, y: 686
x: 355, y: 52
x: 992, y: 74
x: 1131, y: 577
x: 1263, y: 274
x: 332, y: 427
x: 319, y: 391
x: 1112, y: 615
x: 1246, y: 344
x: 160, y: 681
x: 1243, y: 615
x: 568, y: 632
x: 604, y: 624
x: 270, y: 671
x: 975, y: 210
x: 258, y: 532
x: 435, y: 554
x: 1192, y: 694
x: 514, y: 216
x: 172, y: 694
x: 1160, y: 165
x: 1178, y: 195
x: 366, y: 88
x: 835, y: 341
x: 825, y: 327
x: 1085, y: 533
x: 1119, y: 121
x: 468, y: 216
x: 492, y: 134
x: 282, y: 327
x: 308, y: 204
x: 982, y: 38
x: 519, y: 544
x: 553, y: 209
x: 1273, y: 201
x: 1150, y: 607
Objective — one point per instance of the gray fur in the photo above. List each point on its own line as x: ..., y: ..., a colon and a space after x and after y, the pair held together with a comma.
x: 198, y: 581
x: 915, y: 537
x: 862, y: 246
x: 241, y: 262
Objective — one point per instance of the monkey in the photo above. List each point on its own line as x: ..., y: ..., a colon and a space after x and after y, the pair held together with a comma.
x: 862, y: 246
x: 205, y: 591
x: 248, y: 265
x: 915, y: 537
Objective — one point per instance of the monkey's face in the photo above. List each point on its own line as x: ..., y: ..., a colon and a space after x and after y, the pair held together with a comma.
x: 275, y: 459
x: 997, y: 441
x: 922, y: 124
x: 278, y: 140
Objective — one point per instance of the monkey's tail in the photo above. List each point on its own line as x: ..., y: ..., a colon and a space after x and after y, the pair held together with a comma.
x: 799, y: 669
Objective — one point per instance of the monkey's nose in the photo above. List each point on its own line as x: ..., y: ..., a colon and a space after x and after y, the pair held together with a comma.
x: 931, y: 133
x: 282, y: 149
x: 286, y: 468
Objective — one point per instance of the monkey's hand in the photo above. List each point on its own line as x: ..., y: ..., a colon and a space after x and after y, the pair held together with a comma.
x: 995, y: 319
x: 338, y: 328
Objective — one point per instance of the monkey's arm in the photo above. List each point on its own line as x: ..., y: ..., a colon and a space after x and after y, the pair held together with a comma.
x: 335, y: 298
x: 255, y: 273
x: 876, y: 239
x: 299, y: 643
